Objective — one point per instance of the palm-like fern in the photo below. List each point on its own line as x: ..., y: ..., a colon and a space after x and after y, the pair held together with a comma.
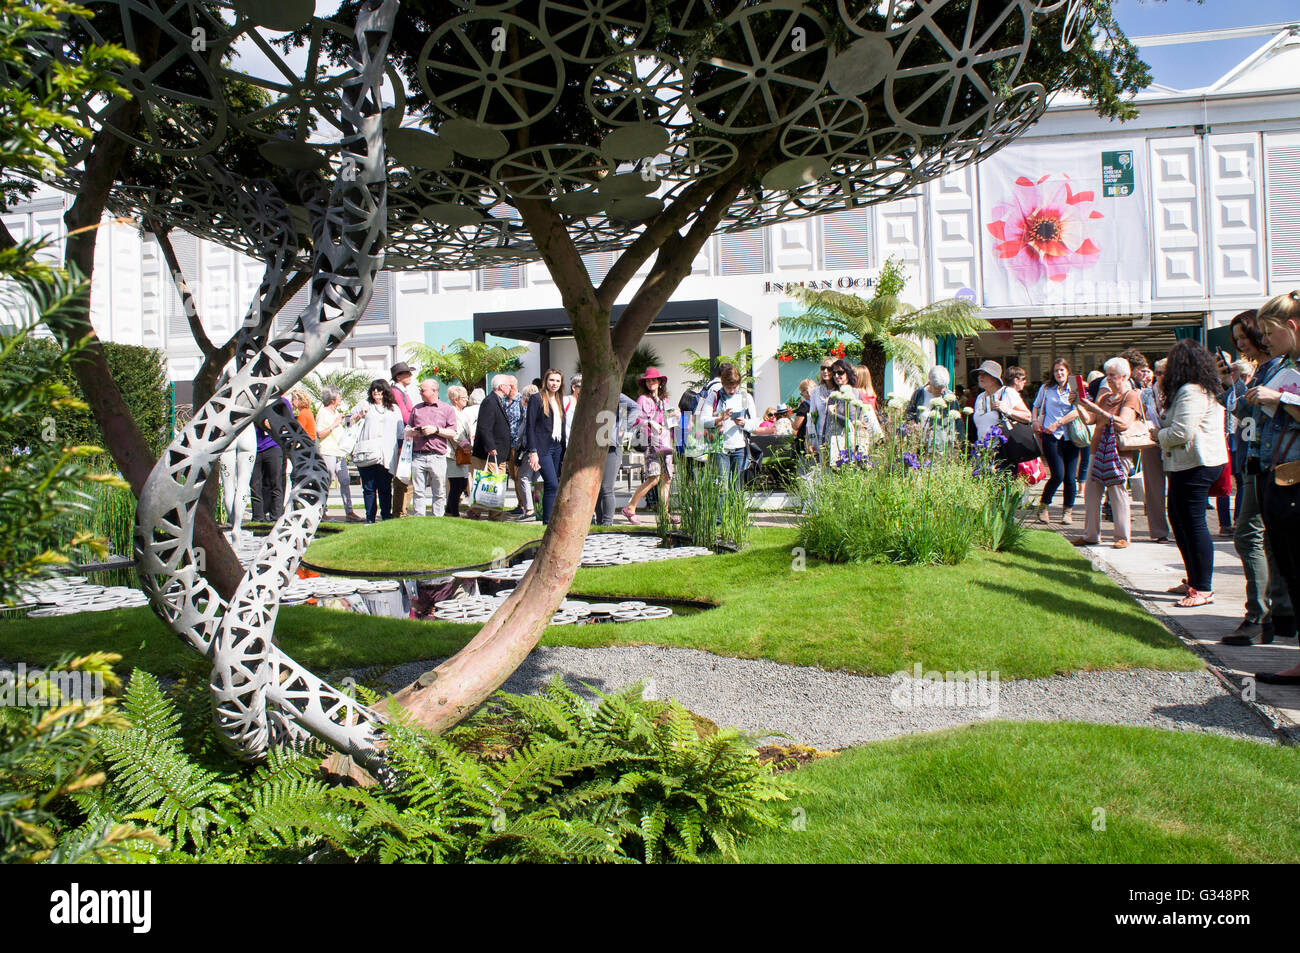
x: 469, y: 362
x: 701, y: 370
x: 887, y: 328
x: 350, y: 382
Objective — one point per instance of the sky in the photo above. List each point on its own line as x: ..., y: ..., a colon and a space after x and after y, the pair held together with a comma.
x: 1189, y: 66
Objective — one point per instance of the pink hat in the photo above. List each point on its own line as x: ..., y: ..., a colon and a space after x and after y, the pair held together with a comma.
x: 652, y: 373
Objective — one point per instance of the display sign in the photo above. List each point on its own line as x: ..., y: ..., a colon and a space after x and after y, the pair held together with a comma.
x: 1117, y: 174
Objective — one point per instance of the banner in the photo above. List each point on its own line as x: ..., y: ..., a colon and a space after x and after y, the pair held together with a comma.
x: 1065, y: 227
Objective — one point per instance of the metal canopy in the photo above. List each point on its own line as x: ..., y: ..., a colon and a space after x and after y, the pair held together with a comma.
x: 608, y: 110
x: 544, y: 324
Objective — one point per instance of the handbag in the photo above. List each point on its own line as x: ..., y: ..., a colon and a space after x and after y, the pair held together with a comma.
x: 1021, y: 444
x: 366, y: 453
x: 463, y: 456
x: 1109, y: 467
x: 1032, y: 471
x: 1079, y: 433
x: 1285, y: 474
x: 1136, y: 438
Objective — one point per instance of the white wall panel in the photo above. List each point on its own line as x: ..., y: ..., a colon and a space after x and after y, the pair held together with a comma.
x: 124, y: 300
x: 954, y: 234
x: 898, y: 232
x: 1177, y: 229
x: 1236, y: 233
x: 792, y: 245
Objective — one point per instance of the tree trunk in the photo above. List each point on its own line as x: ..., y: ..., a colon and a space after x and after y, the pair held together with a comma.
x: 441, y: 698
x: 873, y: 356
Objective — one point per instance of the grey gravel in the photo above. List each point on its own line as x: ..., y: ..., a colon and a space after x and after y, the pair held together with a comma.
x: 834, y: 709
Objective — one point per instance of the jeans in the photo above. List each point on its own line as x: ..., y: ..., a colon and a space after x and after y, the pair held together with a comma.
x: 377, y: 487
x: 268, y: 485
x: 549, y: 465
x: 1224, y: 505
x: 1281, y: 507
x: 605, y: 501
x: 1266, y: 594
x: 1062, y: 459
x: 429, y: 472
x: 1187, y: 497
x: 731, y: 465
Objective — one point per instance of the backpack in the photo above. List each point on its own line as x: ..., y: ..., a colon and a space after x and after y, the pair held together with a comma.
x: 691, y: 398
x: 698, y: 442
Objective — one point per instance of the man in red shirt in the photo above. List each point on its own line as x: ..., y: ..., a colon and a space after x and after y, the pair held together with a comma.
x: 432, y: 424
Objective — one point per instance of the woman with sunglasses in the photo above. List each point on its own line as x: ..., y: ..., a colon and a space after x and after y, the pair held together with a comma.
x: 377, y: 448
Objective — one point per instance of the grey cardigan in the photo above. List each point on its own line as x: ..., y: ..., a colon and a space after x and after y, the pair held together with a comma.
x: 1191, y: 431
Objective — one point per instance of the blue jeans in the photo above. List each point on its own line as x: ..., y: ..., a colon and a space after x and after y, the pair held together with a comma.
x: 1085, y: 457
x: 377, y: 488
x: 548, y: 464
x: 1186, y: 498
x: 731, y: 465
x: 1062, y: 460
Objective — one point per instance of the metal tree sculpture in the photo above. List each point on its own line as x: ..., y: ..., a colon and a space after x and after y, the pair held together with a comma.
x: 463, y: 134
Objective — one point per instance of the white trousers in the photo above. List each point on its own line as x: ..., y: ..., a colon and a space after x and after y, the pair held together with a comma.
x: 429, y: 472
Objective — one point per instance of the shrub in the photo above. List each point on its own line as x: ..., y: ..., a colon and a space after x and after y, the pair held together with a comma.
x: 893, y: 515
x: 551, y: 778
x: 141, y: 377
x: 712, y: 509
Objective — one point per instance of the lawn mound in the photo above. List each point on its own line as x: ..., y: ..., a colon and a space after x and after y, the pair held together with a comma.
x: 418, y: 544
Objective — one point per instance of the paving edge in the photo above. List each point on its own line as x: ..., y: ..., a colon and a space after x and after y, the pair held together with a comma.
x: 1287, y: 731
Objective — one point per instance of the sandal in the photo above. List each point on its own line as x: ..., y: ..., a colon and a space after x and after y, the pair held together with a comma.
x: 1195, y: 598
x: 1178, y: 590
x: 629, y: 515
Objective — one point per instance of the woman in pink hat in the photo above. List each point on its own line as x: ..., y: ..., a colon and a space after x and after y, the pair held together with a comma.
x: 653, y: 428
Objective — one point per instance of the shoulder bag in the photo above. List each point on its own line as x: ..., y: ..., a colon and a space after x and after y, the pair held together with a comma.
x: 1109, y: 467
x: 1285, y: 474
x: 1135, y: 438
x: 1021, y: 445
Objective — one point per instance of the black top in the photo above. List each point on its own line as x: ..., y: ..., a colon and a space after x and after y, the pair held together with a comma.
x: 538, y: 438
x: 493, y: 430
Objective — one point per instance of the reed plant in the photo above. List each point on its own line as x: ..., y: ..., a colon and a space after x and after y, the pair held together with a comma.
x: 712, y: 509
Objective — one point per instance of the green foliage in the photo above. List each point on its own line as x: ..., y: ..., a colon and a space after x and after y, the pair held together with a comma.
x: 712, y: 510
x: 141, y: 376
x: 351, y: 383
x: 814, y: 351
x: 468, y: 362
x: 43, y: 102
x: 550, y: 778
x: 643, y: 357
x: 1001, y: 528
x: 701, y: 370
x: 886, y: 328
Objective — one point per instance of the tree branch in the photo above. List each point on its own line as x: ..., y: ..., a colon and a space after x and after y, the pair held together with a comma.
x: 163, y: 236
x: 565, y: 264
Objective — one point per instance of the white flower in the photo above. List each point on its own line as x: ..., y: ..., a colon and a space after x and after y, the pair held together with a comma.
x: 930, y: 414
x: 967, y: 411
x: 856, y: 403
x: 847, y: 390
x: 895, y: 403
x: 939, y: 402
x: 954, y: 415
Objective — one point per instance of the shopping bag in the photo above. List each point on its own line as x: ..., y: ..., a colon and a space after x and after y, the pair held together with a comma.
x: 404, y: 462
x: 1109, y: 467
x: 489, y: 490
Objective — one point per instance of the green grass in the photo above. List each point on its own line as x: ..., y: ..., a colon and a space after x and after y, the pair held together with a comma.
x: 419, y: 544
x: 1028, y: 613
x: 1028, y: 793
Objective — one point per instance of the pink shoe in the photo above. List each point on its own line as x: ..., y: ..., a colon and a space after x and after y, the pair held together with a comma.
x: 629, y: 515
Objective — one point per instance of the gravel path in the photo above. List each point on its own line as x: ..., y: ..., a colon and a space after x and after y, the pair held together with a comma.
x: 836, y: 709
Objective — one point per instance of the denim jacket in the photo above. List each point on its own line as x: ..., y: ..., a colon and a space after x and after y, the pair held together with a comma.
x: 1281, y: 425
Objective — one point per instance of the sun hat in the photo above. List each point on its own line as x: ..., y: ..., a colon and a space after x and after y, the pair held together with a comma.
x: 1095, y: 375
x: 993, y: 369
x: 401, y: 367
x: 652, y: 373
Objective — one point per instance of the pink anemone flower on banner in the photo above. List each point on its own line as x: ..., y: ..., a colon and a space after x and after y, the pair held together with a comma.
x: 1043, y: 231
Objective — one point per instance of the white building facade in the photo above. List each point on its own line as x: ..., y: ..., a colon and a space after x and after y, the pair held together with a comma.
x: 1194, y: 208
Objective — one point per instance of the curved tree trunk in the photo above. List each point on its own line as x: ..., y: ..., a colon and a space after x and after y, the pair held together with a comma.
x: 441, y: 698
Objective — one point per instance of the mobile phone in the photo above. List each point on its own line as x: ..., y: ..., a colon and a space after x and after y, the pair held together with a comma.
x: 1224, y: 356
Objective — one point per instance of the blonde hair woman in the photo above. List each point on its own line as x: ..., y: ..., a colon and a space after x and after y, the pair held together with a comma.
x: 1279, y: 451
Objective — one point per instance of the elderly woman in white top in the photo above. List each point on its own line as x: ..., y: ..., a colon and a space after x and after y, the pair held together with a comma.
x: 1194, y: 452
